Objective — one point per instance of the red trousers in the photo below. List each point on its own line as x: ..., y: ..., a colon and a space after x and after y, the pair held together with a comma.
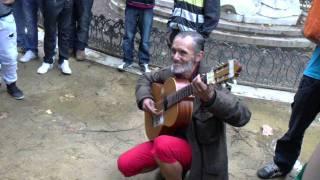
x: 167, y: 149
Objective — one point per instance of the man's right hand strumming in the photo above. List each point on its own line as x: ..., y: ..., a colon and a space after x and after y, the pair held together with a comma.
x: 148, y: 105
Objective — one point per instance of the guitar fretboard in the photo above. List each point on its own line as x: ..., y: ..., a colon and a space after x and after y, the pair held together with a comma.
x: 178, y: 96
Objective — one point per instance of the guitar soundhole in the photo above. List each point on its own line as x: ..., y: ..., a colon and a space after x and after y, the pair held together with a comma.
x: 157, y: 120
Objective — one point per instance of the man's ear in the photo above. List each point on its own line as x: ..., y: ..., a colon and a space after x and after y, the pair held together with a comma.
x: 199, y: 56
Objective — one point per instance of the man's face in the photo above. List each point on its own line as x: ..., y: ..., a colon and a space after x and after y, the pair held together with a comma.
x: 184, y: 56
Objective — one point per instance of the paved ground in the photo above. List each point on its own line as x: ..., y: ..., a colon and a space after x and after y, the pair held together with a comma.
x: 75, y: 127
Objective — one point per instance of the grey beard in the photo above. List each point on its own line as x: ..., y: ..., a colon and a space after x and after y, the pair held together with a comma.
x: 182, y: 69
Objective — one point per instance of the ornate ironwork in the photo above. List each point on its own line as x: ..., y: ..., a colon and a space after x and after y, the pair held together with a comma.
x: 262, y: 67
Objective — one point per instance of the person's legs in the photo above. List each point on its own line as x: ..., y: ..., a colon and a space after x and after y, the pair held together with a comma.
x: 51, y: 10
x: 8, y: 55
x: 145, y: 27
x: 30, y: 9
x: 64, y: 29
x: 173, y: 155
x: 50, y: 15
x: 31, y: 16
x: 131, y: 17
x: 304, y: 109
x: 81, y: 24
x: 64, y: 35
x: 85, y: 15
x: 137, y: 160
x: 20, y: 24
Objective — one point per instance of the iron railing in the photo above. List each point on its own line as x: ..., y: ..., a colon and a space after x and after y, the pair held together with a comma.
x: 275, y: 68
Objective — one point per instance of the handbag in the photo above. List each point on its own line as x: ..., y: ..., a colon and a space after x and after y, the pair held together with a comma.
x: 312, y: 24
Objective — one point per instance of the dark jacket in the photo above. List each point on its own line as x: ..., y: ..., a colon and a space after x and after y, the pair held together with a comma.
x: 4, y: 10
x: 143, y: 4
x: 195, y: 15
x: 207, y: 132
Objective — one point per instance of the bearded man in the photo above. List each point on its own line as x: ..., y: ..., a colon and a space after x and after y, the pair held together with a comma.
x: 200, y: 147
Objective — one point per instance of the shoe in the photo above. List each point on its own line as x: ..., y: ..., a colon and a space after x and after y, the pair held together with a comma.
x: 65, y: 68
x: 269, y: 171
x: 14, y: 91
x: 124, y: 66
x: 44, y: 68
x: 144, y: 68
x: 28, y: 56
x: 80, y: 55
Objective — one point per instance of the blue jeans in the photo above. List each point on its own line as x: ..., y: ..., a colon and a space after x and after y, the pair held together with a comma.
x: 20, y: 23
x: 305, y: 108
x: 30, y: 10
x: 142, y: 19
x: 57, y: 12
x: 81, y: 22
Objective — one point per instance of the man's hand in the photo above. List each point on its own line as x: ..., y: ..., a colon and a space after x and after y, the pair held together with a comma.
x: 7, y: 2
x: 149, y: 106
x: 201, y: 90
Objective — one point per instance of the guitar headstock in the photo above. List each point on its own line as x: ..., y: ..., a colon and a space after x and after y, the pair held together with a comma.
x: 223, y: 72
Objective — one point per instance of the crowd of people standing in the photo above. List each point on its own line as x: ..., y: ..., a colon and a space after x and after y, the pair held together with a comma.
x: 68, y: 20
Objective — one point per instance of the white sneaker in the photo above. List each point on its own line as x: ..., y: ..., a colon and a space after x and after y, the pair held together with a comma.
x: 145, y: 68
x: 124, y: 66
x: 65, y: 68
x: 28, y: 56
x: 44, y: 68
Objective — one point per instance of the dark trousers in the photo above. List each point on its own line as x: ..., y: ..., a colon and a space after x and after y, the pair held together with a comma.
x: 20, y: 23
x: 57, y: 13
x: 142, y: 19
x: 30, y: 10
x: 305, y: 107
x: 81, y: 22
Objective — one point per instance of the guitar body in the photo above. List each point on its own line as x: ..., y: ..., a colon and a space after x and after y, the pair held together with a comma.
x: 175, y: 99
x: 177, y: 116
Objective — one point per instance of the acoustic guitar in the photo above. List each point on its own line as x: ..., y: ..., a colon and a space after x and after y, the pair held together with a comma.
x: 174, y: 98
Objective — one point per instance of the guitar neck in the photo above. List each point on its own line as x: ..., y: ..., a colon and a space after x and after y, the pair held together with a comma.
x: 219, y: 75
x: 178, y: 96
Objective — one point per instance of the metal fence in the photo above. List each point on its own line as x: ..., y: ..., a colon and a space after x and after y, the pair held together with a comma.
x: 274, y: 68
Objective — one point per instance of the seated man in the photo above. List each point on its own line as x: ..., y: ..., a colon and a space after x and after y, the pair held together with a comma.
x: 201, y: 147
